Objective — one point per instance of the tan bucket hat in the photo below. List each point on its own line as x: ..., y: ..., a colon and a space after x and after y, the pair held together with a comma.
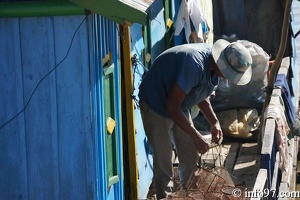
x: 234, y: 61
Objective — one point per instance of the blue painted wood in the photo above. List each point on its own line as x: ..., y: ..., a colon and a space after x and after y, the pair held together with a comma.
x: 12, y: 142
x: 178, y: 39
x: 37, y: 59
x: 101, y: 54
x: 105, y: 40
x: 47, y: 152
x: 73, y: 91
x: 95, y: 82
x: 158, y: 29
x: 145, y: 173
x: 55, y: 148
x: 119, y: 191
x: 157, y: 32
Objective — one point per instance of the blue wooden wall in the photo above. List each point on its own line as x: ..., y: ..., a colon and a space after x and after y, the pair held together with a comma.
x: 104, y: 40
x: 156, y: 27
x: 144, y: 155
x: 51, y: 150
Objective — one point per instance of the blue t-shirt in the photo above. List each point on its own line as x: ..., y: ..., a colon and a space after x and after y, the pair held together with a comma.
x: 189, y: 66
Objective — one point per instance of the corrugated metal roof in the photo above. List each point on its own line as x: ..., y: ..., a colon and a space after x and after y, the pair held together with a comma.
x: 141, y: 5
x: 133, y: 11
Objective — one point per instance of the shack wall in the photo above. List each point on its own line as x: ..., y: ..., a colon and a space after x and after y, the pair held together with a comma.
x: 53, y: 146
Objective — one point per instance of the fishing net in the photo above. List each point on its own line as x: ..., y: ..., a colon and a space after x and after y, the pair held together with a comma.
x: 214, y: 183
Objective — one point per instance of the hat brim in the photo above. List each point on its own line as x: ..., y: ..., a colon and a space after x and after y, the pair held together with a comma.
x: 228, y: 73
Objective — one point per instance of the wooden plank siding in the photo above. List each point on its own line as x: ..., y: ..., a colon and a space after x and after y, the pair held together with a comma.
x: 148, y: 39
x: 48, y: 139
x: 55, y: 148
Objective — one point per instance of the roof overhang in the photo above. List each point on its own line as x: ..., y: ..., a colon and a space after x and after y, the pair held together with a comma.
x: 39, y: 8
x: 119, y: 11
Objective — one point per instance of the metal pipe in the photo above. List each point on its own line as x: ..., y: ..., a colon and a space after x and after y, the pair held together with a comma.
x: 39, y: 9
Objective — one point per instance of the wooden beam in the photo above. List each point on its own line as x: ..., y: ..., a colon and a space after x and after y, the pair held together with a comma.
x: 284, y: 67
x: 260, y: 182
x: 275, y: 173
x: 267, y: 154
x: 283, y: 187
x: 268, y: 137
x: 294, y: 164
x: 130, y: 113
x: 287, y: 175
x: 247, y: 164
x: 231, y: 156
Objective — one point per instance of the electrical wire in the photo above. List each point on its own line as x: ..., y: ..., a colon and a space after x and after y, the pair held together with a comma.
x: 135, y: 61
x: 133, y: 88
x: 38, y: 84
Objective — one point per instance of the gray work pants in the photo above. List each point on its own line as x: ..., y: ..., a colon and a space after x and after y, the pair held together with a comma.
x: 161, y: 131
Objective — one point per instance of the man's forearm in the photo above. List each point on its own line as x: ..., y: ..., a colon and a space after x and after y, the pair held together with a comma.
x: 208, y: 112
x: 182, y: 121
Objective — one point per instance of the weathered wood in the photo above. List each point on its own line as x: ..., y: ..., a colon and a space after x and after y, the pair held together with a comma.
x: 260, y: 182
x: 275, y: 173
x: 247, y: 164
x: 231, y: 156
x: 284, y: 66
x: 283, y: 187
x: 289, y: 177
x: 268, y: 138
x: 224, y: 155
x: 286, y: 175
x: 294, y: 164
x: 267, y: 153
x: 130, y: 125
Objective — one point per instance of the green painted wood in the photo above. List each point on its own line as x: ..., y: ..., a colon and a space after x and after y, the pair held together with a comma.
x: 111, y: 139
x: 115, y: 10
x: 39, y: 8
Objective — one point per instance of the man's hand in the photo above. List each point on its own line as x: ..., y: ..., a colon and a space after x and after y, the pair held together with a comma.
x: 201, y: 144
x: 217, y: 134
x: 210, y: 115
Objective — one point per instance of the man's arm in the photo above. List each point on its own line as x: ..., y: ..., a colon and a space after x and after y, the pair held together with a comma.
x: 174, y: 101
x: 208, y: 112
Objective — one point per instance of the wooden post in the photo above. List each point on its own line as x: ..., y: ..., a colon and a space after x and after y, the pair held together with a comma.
x: 131, y: 145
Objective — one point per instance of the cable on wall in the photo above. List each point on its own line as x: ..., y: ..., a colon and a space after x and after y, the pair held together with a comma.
x: 38, y: 84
